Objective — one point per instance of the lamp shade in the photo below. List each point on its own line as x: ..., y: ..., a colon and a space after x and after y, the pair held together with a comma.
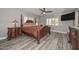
x: 15, y: 21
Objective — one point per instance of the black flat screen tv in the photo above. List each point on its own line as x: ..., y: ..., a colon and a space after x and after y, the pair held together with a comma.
x: 69, y: 16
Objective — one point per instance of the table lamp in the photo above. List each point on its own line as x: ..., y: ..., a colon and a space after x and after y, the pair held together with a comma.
x: 14, y: 22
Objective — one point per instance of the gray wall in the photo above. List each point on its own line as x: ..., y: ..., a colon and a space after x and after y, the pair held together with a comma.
x: 6, y: 17
x: 42, y: 20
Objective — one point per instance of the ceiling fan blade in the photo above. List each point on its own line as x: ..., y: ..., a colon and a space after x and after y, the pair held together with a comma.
x: 40, y: 9
x: 43, y: 10
x: 48, y: 11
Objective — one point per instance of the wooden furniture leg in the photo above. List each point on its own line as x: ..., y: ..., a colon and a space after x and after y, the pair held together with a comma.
x: 38, y: 41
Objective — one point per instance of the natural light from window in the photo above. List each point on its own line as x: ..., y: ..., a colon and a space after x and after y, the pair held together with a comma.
x: 52, y: 21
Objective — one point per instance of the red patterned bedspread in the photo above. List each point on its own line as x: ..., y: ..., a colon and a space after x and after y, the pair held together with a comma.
x: 36, y: 31
x: 32, y: 30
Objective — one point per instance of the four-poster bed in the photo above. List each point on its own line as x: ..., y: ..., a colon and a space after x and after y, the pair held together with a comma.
x: 36, y: 31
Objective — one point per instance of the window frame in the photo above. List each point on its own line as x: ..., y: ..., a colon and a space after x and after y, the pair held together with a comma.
x: 55, y: 21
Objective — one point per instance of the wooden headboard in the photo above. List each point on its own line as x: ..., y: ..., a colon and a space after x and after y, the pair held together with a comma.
x: 29, y: 21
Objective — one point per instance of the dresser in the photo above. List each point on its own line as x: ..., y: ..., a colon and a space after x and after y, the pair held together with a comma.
x: 74, y: 37
x: 13, y: 32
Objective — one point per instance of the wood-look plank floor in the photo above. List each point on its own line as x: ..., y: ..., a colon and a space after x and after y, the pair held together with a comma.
x: 54, y: 41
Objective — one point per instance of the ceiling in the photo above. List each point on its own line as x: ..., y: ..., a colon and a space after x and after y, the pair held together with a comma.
x: 37, y: 12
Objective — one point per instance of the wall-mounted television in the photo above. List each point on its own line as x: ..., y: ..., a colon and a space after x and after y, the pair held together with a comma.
x: 69, y: 16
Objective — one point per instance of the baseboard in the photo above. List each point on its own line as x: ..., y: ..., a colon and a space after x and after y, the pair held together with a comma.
x: 58, y: 31
x: 2, y: 38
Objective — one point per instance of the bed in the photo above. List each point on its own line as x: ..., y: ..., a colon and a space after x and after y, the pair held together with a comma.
x: 36, y: 31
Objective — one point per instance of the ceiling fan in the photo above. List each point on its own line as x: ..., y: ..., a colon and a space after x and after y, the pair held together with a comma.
x: 44, y: 11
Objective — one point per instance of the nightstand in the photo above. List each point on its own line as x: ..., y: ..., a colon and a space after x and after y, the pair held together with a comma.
x: 13, y: 32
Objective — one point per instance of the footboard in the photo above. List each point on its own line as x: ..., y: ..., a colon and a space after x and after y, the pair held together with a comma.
x: 42, y: 32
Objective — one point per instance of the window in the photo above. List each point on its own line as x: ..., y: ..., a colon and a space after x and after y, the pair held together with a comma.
x: 52, y: 21
x: 28, y: 18
x: 25, y: 19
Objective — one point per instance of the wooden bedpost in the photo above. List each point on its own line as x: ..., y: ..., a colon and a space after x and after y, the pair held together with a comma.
x: 21, y: 23
x: 49, y: 30
x: 38, y: 37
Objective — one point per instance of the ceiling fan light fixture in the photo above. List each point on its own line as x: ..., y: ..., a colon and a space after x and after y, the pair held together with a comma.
x: 44, y: 13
